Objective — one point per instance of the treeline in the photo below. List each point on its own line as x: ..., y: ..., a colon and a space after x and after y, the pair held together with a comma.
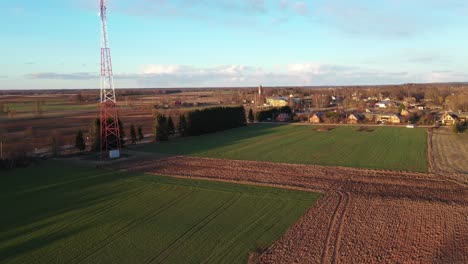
x: 95, y: 137
x: 272, y: 113
x: 95, y: 134
x: 215, y: 119
x: 15, y: 162
x: 199, y: 122
x: 165, y: 127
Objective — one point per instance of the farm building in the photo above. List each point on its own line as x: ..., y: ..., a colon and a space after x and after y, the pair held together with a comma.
x: 449, y: 119
x: 278, y: 101
x: 316, y: 118
x: 393, y: 119
x: 382, y: 104
x: 355, y: 119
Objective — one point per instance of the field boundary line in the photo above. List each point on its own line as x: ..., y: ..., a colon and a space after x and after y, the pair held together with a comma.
x: 243, y: 182
x: 430, y: 156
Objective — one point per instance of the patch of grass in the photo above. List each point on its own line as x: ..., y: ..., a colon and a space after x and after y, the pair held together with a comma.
x: 58, y: 213
x: 391, y: 148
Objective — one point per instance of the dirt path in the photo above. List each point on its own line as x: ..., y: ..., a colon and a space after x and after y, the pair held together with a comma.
x: 364, y: 216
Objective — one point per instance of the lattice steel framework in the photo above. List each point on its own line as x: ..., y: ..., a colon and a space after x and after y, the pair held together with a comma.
x: 110, y: 132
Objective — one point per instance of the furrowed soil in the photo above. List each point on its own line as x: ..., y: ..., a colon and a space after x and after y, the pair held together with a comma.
x: 365, y: 216
x: 449, y: 153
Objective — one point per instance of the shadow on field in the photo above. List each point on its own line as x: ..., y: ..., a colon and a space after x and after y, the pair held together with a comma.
x: 205, y: 142
x: 37, y: 243
x: 43, y: 203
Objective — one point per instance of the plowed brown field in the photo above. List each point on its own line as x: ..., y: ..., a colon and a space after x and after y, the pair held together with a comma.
x: 448, y: 153
x: 365, y: 216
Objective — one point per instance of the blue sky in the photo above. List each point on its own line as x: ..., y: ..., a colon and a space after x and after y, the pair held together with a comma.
x: 192, y: 43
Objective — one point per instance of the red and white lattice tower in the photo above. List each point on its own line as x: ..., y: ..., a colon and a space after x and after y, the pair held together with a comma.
x: 110, y: 132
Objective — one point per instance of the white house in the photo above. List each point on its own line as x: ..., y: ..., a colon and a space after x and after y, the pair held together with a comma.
x: 382, y: 104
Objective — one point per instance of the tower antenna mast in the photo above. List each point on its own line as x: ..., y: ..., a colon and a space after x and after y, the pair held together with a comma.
x: 109, y: 120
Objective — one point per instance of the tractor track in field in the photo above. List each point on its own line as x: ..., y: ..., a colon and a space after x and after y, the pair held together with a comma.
x: 339, y: 232
x: 124, y: 230
x: 363, y: 216
x: 197, y: 227
x: 330, y: 229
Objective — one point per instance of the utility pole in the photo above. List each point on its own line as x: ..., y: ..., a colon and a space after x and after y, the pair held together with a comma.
x: 109, y: 119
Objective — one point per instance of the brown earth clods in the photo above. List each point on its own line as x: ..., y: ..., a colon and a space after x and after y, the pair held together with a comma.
x: 365, y: 216
x: 324, y: 128
x: 365, y: 129
x: 448, y: 153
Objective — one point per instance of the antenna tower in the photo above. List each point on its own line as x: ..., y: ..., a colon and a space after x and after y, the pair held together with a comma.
x: 109, y: 127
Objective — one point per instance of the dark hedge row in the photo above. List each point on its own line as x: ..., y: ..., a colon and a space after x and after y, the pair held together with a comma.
x: 17, y: 162
x: 215, y: 119
x: 272, y: 113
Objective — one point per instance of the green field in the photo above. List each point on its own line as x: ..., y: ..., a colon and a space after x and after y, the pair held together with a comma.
x: 46, y: 106
x: 58, y: 213
x: 392, y: 148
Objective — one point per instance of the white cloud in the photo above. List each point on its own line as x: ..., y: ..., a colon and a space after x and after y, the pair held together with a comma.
x: 241, y: 75
x: 445, y: 76
x: 162, y: 69
x: 298, y: 74
x: 63, y: 76
x: 305, y: 68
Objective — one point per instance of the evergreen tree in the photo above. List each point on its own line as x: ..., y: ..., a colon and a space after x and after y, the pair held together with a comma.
x: 161, y: 128
x: 170, y: 126
x: 458, y: 127
x: 79, y: 141
x: 140, y: 133
x: 401, y: 108
x: 251, y: 116
x: 122, y: 133
x: 54, y: 146
x: 182, y: 127
x: 95, y: 134
x: 133, y: 134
